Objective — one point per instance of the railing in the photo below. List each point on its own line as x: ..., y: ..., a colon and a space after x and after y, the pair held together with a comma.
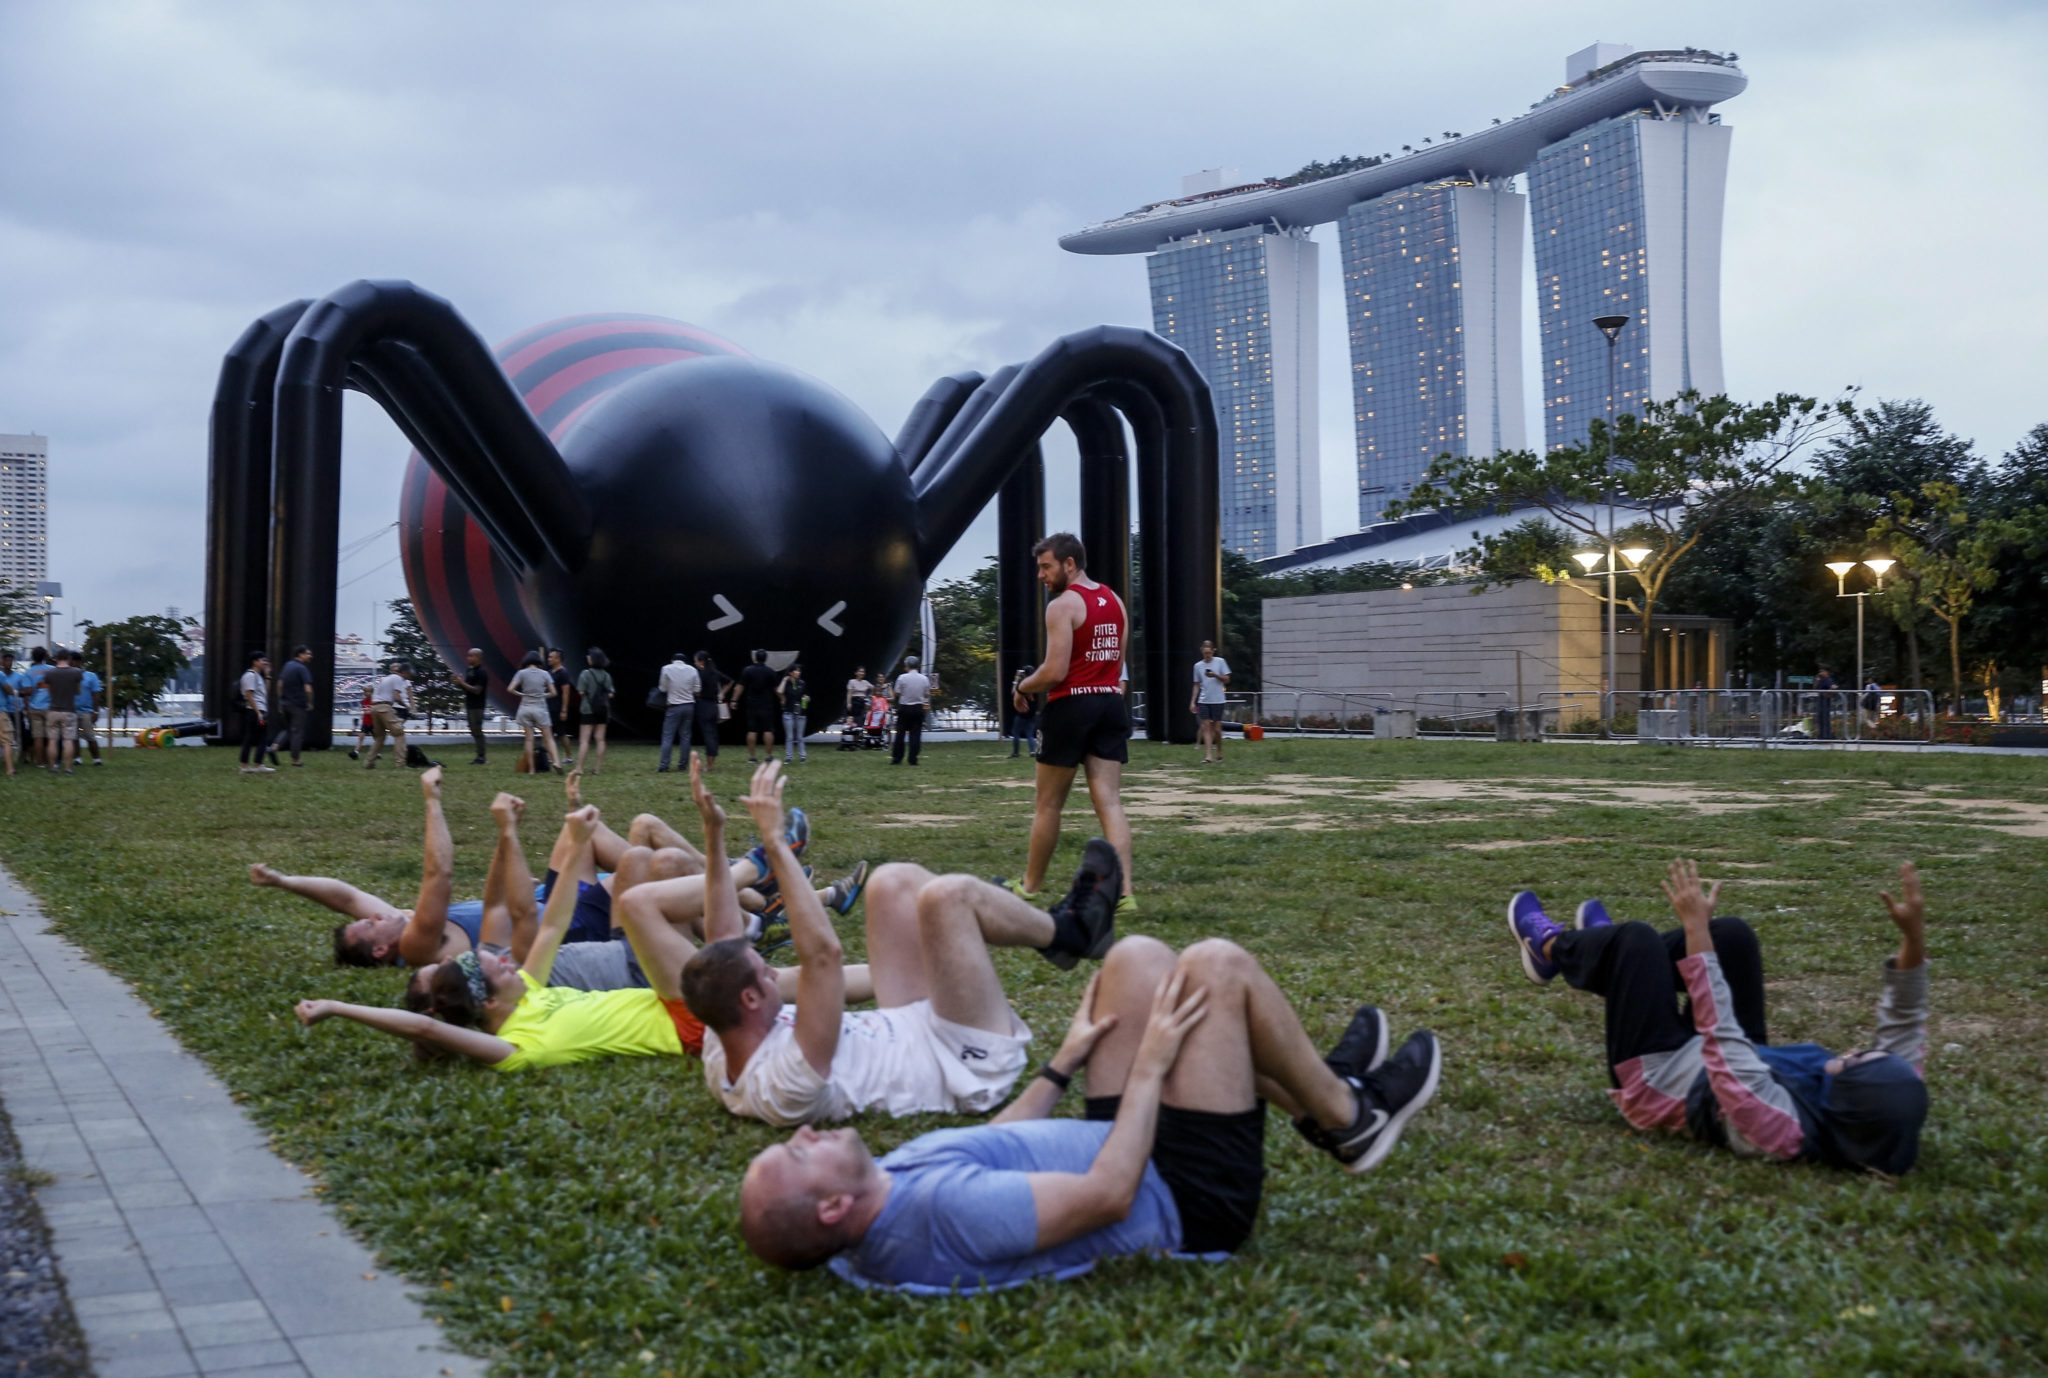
x: 1774, y: 717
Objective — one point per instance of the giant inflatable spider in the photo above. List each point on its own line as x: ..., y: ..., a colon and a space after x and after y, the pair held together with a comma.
x: 642, y: 485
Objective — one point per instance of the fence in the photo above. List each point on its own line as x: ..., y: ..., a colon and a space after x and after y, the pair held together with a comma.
x: 1781, y: 717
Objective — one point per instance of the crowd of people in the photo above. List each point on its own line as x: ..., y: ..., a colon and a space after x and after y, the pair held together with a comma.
x: 49, y: 711
x: 661, y: 947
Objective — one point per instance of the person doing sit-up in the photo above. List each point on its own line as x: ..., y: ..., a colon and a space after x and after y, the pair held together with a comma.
x: 944, y: 1037
x: 1713, y: 1072
x: 1181, y: 1053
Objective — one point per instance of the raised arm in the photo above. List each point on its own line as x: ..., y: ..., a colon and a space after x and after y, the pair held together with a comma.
x: 510, y: 915
x: 1902, y: 1008
x: 722, y: 915
x: 417, y: 1028
x: 420, y: 943
x: 561, y: 906
x: 1754, y: 1107
x: 821, y: 974
x: 1069, y: 1204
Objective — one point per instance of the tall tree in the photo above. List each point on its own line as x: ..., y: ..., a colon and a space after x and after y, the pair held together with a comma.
x: 147, y: 657
x: 1678, y: 470
x: 433, y: 694
x: 1947, y: 556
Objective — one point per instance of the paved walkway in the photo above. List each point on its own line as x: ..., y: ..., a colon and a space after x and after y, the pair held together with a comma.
x: 187, y: 1246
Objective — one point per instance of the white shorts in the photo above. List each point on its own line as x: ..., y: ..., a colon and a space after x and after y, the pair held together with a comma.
x: 535, y: 718
x: 971, y: 1070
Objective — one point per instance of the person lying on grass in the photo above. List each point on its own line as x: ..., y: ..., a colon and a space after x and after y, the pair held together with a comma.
x: 377, y: 932
x: 1713, y: 1073
x: 1182, y: 1053
x: 944, y: 1038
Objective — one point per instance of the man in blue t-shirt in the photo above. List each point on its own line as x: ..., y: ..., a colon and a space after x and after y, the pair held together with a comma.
x: 88, y: 714
x: 12, y: 704
x: 1170, y: 1159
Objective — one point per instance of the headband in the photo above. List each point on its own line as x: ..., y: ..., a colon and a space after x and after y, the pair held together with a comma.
x: 473, y: 975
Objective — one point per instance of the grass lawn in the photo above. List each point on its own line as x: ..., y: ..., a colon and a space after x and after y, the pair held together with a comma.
x: 581, y: 1220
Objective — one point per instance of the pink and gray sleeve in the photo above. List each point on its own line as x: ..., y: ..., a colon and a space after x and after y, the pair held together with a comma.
x: 1758, y: 1113
x: 1902, y: 1014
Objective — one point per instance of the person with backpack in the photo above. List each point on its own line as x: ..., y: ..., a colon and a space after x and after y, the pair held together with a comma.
x: 594, y: 688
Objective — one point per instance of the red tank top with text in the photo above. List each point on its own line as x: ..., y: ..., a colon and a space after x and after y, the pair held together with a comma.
x: 1097, y: 662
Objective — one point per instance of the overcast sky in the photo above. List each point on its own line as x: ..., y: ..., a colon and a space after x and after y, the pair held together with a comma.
x: 872, y: 194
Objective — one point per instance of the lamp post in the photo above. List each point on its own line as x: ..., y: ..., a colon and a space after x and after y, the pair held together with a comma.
x: 1878, y: 565
x: 1610, y: 326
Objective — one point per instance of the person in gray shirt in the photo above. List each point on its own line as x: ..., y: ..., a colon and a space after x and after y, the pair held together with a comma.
x: 535, y: 687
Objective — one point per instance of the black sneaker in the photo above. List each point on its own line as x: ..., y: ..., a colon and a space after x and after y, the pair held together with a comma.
x: 1363, y: 1047
x: 1091, y: 904
x: 1386, y: 1099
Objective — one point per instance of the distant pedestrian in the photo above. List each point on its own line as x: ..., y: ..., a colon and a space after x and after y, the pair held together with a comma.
x: 475, y: 684
x: 60, y: 720
x: 535, y: 687
x: 712, y: 708
x: 913, y: 699
x: 562, y: 710
x: 679, y: 687
x: 756, y: 693
x: 1873, y: 701
x: 594, y: 693
x: 294, y: 703
x: 13, y: 685
x: 1823, y: 704
x: 390, y: 708
x: 254, y: 687
x: 796, y: 700
x: 38, y: 705
x: 1023, y: 717
x: 858, y: 690
x: 1205, y: 701
x: 89, y: 709
x: 364, y: 723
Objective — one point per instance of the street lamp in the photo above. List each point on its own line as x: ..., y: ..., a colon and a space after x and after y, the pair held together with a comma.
x: 1878, y: 565
x: 1610, y: 326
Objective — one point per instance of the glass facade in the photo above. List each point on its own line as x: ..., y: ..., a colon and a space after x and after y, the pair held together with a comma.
x: 1211, y: 296
x: 1402, y: 281
x: 1586, y: 210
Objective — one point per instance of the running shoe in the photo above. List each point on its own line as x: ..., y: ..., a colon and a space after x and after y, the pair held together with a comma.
x: 796, y: 831
x: 1532, y: 928
x: 1363, y: 1047
x: 844, y: 892
x: 767, y: 887
x: 1387, y: 1100
x: 1593, y: 914
x: 1016, y: 887
x: 1090, y: 904
x: 1126, y: 908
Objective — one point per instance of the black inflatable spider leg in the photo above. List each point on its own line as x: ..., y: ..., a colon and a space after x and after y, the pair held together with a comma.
x: 1152, y: 609
x: 238, y: 506
x: 1105, y: 489
x: 339, y: 338
x: 965, y: 419
x: 931, y: 414
x: 1168, y: 403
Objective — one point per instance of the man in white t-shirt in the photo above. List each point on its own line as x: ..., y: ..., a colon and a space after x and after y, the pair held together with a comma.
x: 913, y: 698
x: 944, y: 1038
x: 680, y: 685
x: 1205, y: 701
x: 391, y: 694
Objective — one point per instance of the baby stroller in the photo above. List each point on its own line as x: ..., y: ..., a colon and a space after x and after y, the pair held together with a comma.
x: 870, y: 733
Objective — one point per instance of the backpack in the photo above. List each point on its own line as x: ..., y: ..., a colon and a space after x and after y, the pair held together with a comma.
x: 597, y: 704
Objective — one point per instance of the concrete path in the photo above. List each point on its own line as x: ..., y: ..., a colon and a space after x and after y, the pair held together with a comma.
x: 187, y: 1246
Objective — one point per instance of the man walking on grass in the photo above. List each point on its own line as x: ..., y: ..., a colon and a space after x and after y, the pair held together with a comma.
x: 1087, y: 720
x: 294, y: 702
x: 475, y: 684
x: 1205, y: 701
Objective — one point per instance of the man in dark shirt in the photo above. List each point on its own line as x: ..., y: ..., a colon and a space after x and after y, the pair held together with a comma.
x: 562, y: 705
x: 475, y: 685
x: 60, y: 721
x: 758, y: 701
x: 295, y: 697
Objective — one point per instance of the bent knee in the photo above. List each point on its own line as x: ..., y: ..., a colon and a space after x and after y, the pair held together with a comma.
x: 943, y: 898
x: 670, y: 863
x: 895, y: 882
x: 1137, y: 953
x: 1215, y: 959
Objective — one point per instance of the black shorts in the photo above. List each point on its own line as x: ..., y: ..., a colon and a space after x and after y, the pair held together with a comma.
x: 760, y: 716
x: 1079, y: 725
x: 1215, y: 1166
x: 1209, y: 712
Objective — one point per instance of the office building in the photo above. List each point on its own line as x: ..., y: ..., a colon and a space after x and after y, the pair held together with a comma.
x: 1242, y: 303
x: 1433, y: 298
x: 24, y: 510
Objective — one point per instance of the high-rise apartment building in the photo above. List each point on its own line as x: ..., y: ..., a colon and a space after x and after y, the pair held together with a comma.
x: 1627, y: 221
x: 24, y: 509
x: 1433, y: 295
x: 1242, y: 303
x: 1626, y: 167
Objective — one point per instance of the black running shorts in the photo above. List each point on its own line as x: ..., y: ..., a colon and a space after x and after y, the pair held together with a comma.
x: 1215, y: 1166
x: 1079, y: 725
x: 1209, y: 712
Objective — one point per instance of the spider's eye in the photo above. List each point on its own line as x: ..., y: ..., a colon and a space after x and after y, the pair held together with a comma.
x: 829, y: 619
x: 731, y: 613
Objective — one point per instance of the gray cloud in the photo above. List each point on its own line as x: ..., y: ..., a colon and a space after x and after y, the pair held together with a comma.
x: 872, y: 194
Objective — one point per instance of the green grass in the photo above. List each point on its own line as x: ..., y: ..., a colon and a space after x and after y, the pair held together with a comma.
x: 581, y: 1220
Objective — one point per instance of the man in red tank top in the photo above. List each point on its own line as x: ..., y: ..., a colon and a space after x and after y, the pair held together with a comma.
x: 1087, y: 719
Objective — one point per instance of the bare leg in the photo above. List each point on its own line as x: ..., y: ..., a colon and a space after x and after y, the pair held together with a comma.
x: 1106, y: 791
x: 582, y: 744
x: 660, y: 945
x: 327, y: 892
x: 510, y: 915
x: 1251, y: 1044
x: 651, y: 830
x: 602, y: 728
x: 1053, y: 784
x: 929, y: 938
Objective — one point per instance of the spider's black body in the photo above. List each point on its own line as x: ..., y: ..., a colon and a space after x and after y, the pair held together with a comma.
x: 719, y: 503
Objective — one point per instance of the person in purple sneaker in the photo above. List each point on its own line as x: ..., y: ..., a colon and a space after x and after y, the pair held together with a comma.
x: 1710, y: 1071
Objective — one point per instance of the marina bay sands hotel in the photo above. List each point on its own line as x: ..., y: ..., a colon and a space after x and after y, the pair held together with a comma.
x: 1626, y: 167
